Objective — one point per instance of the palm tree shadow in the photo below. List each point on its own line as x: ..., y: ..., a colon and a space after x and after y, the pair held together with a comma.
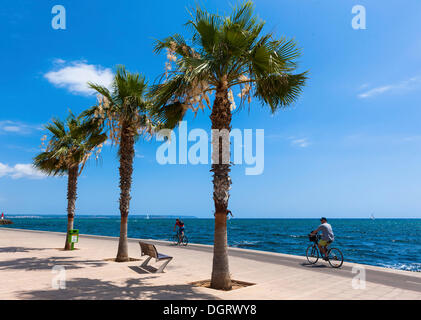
x: 96, y: 289
x: 19, y: 249
x: 143, y: 270
x: 33, y: 263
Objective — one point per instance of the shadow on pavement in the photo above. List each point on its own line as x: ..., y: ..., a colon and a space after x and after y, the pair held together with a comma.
x: 47, y: 263
x: 19, y: 249
x: 82, y: 288
x: 143, y: 270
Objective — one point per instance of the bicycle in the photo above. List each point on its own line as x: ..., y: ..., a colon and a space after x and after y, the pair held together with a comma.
x: 334, y: 255
x: 180, y: 239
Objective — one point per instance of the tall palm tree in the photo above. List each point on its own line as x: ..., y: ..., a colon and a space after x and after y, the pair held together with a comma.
x: 123, y: 112
x: 225, y: 53
x: 70, y: 145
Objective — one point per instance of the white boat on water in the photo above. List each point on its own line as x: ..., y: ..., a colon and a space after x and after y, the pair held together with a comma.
x: 147, y: 216
x: 372, y: 217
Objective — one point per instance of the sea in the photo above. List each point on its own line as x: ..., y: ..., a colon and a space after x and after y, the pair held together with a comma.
x: 390, y: 243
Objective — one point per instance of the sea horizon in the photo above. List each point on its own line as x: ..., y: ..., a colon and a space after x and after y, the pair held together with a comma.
x: 174, y: 216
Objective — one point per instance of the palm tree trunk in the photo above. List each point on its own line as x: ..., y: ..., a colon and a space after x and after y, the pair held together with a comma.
x: 71, y: 201
x: 221, y: 119
x: 126, y: 154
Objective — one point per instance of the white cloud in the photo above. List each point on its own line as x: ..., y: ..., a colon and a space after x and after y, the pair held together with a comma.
x: 8, y: 126
x: 75, y: 75
x: 20, y: 171
x: 302, y: 142
x: 11, y: 128
x: 59, y: 61
x: 4, y: 170
x: 402, y: 86
x: 375, y: 91
x: 364, y: 86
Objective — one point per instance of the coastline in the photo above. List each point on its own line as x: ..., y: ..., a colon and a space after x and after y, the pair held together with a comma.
x: 27, y: 258
x: 209, y: 248
x: 361, y: 241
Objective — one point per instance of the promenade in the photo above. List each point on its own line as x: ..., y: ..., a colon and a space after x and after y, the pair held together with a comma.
x: 27, y: 259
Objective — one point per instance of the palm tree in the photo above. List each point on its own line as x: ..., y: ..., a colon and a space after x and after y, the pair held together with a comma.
x: 70, y: 145
x: 123, y: 112
x: 225, y: 53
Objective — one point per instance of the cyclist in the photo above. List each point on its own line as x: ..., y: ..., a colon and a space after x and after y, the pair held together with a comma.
x: 180, y: 231
x: 327, y: 236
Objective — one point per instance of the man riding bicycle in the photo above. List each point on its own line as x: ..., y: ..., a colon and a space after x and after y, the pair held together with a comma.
x: 327, y: 236
x: 180, y: 231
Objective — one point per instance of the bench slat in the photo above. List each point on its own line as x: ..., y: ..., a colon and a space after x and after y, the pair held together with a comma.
x: 163, y: 256
x: 150, y: 250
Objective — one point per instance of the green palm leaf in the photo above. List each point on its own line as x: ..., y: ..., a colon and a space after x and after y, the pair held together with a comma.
x: 227, y: 47
x: 69, y: 145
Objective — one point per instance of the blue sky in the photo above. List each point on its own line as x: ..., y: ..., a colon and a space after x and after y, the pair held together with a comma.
x: 350, y: 146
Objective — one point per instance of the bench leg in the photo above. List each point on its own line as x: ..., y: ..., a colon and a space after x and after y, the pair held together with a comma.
x: 162, y: 267
x: 145, y: 263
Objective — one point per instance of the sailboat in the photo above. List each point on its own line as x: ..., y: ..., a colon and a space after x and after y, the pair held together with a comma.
x: 147, y: 216
x: 372, y: 217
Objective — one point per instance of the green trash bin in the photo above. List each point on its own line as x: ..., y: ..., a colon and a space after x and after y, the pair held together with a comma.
x: 73, y: 237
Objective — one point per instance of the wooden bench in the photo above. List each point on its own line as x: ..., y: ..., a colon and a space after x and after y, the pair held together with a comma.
x: 148, y: 249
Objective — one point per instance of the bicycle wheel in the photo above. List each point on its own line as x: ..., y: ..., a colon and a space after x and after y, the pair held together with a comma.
x: 175, y: 239
x: 184, y: 240
x: 312, y: 254
x: 336, y: 258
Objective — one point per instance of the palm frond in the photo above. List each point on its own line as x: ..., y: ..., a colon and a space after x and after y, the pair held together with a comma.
x: 229, y: 48
x: 101, y: 90
x: 168, y: 116
x: 280, y: 91
x: 70, y: 145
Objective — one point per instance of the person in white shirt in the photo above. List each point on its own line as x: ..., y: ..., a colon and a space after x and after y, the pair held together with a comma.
x: 327, y: 236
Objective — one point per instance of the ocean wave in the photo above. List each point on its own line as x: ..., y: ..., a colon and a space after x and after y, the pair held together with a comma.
x: 297, y: 236
x: 404, y: 266
x: 245, y: 244
x: 400, y: 241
